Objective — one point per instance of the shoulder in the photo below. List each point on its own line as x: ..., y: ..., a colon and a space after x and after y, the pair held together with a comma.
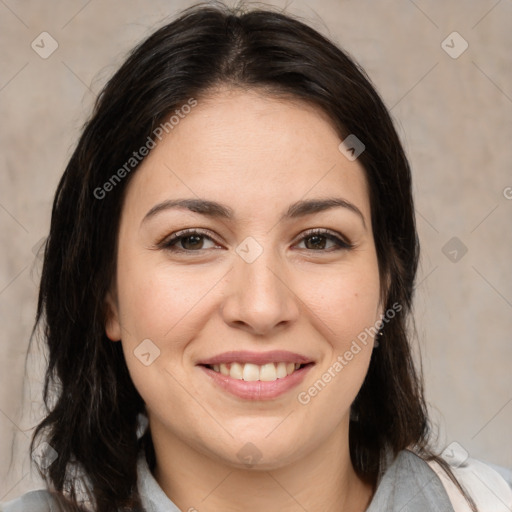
x: 489, y: 486
x: 33, y: 501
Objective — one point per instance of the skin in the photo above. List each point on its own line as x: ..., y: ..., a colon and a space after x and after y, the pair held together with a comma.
x: 256, y: 154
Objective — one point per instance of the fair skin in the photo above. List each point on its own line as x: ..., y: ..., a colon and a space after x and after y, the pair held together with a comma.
x: 256, y: 155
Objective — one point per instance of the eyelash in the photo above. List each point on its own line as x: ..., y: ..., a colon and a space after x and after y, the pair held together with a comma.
x: 169, y: 244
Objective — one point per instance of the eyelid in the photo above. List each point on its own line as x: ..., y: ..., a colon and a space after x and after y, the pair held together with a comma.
x: 165, y: 242
x: 341, y: 241
x: 328, y: 233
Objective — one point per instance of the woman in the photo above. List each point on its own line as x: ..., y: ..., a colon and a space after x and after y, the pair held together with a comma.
x: 226, y: 289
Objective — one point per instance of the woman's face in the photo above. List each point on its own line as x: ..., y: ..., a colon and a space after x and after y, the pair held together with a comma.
x: 213, y: 324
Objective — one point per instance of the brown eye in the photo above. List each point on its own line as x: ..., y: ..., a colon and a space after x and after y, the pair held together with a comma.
x: 188, y: 241
x: 316, y: 242
x: 322, y: 240
x: 192, y: 242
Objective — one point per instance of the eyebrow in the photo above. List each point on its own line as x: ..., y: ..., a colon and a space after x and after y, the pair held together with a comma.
x: 214, y: 209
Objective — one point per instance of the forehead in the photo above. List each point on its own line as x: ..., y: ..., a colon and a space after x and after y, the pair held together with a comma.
x: 252, y: 151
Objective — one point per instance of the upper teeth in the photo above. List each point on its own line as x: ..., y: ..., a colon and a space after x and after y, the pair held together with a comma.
x: 252, y: 372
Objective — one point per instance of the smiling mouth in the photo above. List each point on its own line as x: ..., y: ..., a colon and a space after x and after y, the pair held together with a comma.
x: 251, y: 372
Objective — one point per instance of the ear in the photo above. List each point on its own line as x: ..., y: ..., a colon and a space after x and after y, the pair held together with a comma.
x: 112, y: 324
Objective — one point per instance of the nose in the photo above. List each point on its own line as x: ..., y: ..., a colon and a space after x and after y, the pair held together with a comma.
x: 260, y: 297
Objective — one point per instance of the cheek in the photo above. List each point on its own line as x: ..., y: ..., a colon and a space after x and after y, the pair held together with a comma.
x: 156, y: 299
x: 162, y: 307
x: 156, y: 307
x: 346, y: 303
x: 346, y: 306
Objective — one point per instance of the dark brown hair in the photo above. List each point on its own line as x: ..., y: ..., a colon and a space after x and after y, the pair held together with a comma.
x: 92, y: 403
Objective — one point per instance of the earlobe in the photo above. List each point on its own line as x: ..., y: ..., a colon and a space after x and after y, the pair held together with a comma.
x: 112, y: 324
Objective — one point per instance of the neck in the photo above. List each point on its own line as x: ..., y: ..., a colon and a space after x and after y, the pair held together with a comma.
x: 321, y: 481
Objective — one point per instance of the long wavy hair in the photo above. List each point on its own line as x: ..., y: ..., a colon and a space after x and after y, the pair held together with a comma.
x: 92, y: 405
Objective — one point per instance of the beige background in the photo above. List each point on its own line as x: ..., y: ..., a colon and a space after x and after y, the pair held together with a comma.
x: 453, y: 114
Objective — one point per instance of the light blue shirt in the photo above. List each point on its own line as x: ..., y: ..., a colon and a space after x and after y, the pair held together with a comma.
x: 408, y: 485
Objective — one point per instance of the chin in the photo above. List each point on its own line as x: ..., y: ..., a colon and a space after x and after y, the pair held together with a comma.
x: 261, y: 455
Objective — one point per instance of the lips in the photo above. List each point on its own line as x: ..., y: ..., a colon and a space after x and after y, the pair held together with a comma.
x: 256, y: 375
